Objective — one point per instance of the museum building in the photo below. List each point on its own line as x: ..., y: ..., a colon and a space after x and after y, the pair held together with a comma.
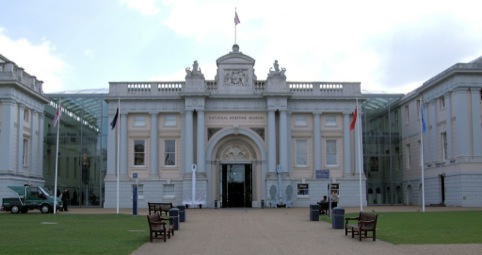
x: 234, y: 141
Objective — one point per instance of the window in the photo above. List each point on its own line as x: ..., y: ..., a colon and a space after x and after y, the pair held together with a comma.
x: 418, y: 109
x: 331, y: 155
x: 170, y: 152
x: 140, y: 191
x: 444, y: 146
x: 170, y: 121
x: 301, y: 153
x: 407, y: 114
x: 168, y: 191
x: 301, y: 121
x: 139, y: 121
x: 26, y: 115
x: 442, y: 102
x: 408, y: 157
x: 303, y: 189
x: 25, y: 151
x: 330, y: 121
x: 139, y: 152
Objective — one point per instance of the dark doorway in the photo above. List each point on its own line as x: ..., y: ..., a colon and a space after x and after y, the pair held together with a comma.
x: 236, y: 188
x: 442, y: 187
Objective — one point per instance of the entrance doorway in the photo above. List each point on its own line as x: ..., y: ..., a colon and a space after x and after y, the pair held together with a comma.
x: 236, y: 185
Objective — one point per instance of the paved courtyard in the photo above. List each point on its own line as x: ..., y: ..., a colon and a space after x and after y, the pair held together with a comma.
x: 277, y: 232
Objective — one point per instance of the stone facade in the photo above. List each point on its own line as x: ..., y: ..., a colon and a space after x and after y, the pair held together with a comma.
x: 274, y: 134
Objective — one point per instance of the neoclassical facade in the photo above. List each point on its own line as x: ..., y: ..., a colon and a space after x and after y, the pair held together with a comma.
x: 234, y: 141
x: 452, y: 143
x: 22, y: 104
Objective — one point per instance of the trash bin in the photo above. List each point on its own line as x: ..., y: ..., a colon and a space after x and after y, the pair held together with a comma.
x: 182, y: 213
x: 314, y: 212
x: 338, y: 218
x: 174, y: 213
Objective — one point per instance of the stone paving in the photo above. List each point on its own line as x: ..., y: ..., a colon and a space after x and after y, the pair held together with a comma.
x: 277, y: 231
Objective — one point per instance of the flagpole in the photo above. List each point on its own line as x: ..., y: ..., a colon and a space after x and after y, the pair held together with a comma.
x: 235, y: 25
x: 56, y: 163
x: 359, y: 159
x: 421, y: 154
x: 117, y: 152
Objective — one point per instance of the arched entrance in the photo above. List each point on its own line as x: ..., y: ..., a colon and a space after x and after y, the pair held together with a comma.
x: 238, y: 172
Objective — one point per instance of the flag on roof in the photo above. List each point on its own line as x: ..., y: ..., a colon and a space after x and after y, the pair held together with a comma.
x: 236, y: 18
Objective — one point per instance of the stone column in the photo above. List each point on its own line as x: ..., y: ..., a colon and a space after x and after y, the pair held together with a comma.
x: 433, y: 133
x: 124, y: 144
x: 476, y: 127
x: 34, y: 150
x: 112, y: 148
x: 316, y: 141
x: 283, y: 140
x: 154, y: 171
x: 201, y: 143
x: 448, y: 116
x: 40, y: 159
x: 188, y: 135
x: 461, y: 123
x: 6, y: 136
x: 347, y: 148
x: 20, y: 122
x: 271, y: 141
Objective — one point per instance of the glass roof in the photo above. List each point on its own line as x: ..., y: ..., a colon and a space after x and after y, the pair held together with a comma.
x: 375, y: 103
x: 85, y: 105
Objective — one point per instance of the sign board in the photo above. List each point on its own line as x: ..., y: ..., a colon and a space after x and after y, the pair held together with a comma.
x: 134, y: 175
x: 322, y: 174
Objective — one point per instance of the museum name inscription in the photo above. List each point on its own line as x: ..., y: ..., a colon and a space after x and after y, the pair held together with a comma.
x: 236, y: 117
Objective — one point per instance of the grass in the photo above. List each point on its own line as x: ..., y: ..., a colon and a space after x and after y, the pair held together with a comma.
x: 71, y: 234
x: 36, y: 233
x: 454, y: 227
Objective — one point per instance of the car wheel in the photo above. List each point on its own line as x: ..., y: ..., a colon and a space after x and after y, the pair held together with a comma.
x: 14, y: 209
x: 45, y: 209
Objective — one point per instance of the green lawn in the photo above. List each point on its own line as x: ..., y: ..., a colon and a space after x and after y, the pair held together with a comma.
x: 36, y: 233
x: 71, y: 234
x: 455, y: 227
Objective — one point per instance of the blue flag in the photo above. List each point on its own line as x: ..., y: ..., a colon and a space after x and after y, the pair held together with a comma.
x: 424, y: 125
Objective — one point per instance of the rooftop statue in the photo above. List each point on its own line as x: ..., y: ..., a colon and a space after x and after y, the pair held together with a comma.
x: 196, y: 71
x: 276, y: 71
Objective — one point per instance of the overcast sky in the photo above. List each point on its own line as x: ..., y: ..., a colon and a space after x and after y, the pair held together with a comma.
x: 388, y: 46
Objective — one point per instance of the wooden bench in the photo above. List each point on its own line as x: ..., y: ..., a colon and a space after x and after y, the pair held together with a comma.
x: 325, y: 207
x: 157, y: 229
x: 365, y: 222
x: 162, y: 208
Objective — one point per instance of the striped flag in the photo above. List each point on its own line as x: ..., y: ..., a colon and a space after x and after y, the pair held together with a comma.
x: 58, y: 114
x: 236, y: 18
x: 353, y: 121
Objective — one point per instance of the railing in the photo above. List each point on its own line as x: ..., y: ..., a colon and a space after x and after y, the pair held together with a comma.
x: 324, y: 88
x: 10, y: 72
x: 155, y: 89
x: 145, y: 89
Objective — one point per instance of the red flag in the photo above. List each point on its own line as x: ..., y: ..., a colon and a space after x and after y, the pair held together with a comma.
x: 58, y: 114
x: 353, y: 121
x: 236, y: 18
